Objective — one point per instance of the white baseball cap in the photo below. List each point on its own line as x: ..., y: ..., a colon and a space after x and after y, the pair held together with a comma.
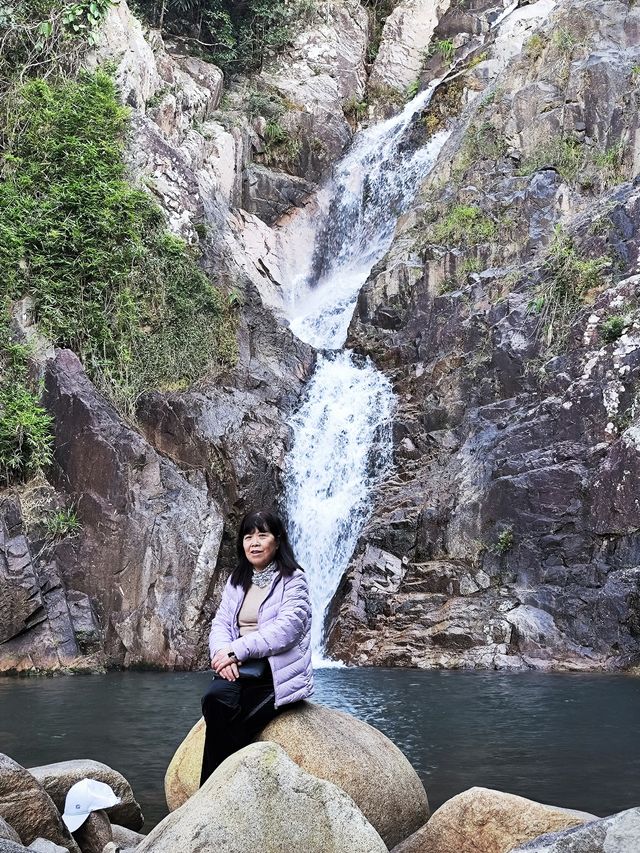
x: 86, y: 796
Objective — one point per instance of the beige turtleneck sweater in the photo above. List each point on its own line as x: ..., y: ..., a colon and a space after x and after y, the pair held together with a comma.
x: 248, y: 615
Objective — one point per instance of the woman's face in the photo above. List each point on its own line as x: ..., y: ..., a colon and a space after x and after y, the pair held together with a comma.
x: 260, y: 548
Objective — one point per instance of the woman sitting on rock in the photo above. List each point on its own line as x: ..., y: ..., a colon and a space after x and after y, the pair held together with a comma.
x: 259, y: 641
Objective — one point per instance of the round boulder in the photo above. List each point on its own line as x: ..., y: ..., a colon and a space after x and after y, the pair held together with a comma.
x: 334, y: 746
x: 43, y: 845
x: 484, y: 821
x: 258, y: 799
x: 57, y: 778
x: 182, y: 778
x: 124, y: 837
x: 27, y: 807
x: 8, y: 846
x: 619, y: 833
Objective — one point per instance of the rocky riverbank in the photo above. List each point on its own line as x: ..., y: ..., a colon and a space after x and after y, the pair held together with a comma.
x: 317, y: 780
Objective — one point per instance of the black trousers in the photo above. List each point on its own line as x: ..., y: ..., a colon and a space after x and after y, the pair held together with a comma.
x: 234, y: 711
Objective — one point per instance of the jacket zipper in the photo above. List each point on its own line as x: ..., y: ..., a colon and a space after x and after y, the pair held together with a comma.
x: 273, y: 586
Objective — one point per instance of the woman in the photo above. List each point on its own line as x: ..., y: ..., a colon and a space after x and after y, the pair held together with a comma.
x: 264, y: 619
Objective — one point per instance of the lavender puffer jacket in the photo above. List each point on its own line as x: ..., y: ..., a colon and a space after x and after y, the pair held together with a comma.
x: 283, y: 635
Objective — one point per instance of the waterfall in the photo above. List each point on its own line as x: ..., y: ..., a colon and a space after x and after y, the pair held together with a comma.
x: 342, y: 442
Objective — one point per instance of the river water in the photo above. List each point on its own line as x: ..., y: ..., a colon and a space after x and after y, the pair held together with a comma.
x: 567, y: 739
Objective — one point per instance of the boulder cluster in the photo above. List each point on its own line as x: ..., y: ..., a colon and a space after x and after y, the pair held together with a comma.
x: 316, y: 780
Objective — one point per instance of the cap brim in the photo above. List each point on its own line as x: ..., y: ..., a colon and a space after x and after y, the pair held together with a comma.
x: 74, y: 821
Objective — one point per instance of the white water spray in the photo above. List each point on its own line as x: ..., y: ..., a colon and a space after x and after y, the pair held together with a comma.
x: 342, y: 444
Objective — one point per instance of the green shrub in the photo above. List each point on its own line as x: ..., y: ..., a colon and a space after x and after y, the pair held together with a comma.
x: 609, y: 164
x: 281, y: 148
x: 534, y: 46
x: 44, y: 37
x: 482, y: 141
x: 107, y: 279
x: 612, y: 328
x: 265, y: 103
x: 26, y: 443
x: 378, y: 11
x: 505, y: 541
x: 238, y: 37
x: 568, y: 280
x: 564, y: 40
x: 577, y: 164
x: 355, y: 109
x: 463, y: 225
x: 564, y: 155
x: 444, y: 48
x: 412, y: 90
x: 63, y: 523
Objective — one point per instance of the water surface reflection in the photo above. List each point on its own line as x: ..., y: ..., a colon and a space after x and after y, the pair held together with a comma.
x: 557, y: 738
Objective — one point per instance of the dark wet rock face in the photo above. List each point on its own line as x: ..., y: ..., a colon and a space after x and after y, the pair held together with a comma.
x: 44, y: 624
x: 508, y: 534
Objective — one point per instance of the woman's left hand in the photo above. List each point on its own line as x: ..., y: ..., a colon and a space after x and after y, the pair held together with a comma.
x: 222, y: 659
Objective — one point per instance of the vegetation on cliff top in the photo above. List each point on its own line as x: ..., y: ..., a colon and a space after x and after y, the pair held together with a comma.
x: 238, y: 37
x: 46, y: 38
x: 92, y: 251
x: 26, y: 443
x: 108, y: 280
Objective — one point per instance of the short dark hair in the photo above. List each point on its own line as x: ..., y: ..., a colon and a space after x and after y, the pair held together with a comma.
x: 265, y: 521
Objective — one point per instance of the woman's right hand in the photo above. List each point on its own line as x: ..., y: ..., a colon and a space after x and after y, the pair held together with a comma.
x: 230, y: 672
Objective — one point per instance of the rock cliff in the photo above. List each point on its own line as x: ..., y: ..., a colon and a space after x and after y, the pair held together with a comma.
x: 506, y: 315
x: 156, y: 500
x: 507, y: 536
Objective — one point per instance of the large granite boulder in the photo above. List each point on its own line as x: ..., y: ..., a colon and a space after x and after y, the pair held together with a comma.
x: 484, y: 821
x: 57, y: 778
x: 124, y: 837
x: 43, y: 845
x: 334, y: 746
x: 26, y: 806
x: 359, y: 759
x: 619, y: 833
x: 258, y: 799
x: 7, y: 846
x: 182, y: 778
